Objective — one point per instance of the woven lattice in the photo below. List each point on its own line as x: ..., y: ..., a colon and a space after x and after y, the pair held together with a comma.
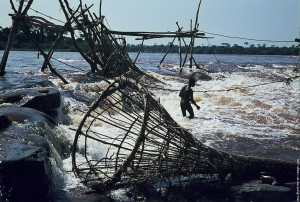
x: 145, y: 142
x: 139, y: 141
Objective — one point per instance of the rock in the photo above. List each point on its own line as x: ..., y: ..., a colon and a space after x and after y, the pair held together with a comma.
x: 265, y: 179
x: 30, y: 91
x: 4, y: 122
x: 25, y: 169
x: 203, y: 76
x: 32, y: 121
x: 292, y: 185
x: 198, y: 75
x: 20, y: 115
x: 255, y: 191
x: 46, y: 100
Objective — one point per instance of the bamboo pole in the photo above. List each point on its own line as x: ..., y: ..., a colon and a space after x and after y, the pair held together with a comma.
x: 8, y: 46
x: 141, y: 47
x: 179, y: 50
x: 100, y: 8
x: 191, y: 48
x: 72, y: 16
x: 170, y: 46
x: 195, y: 30
x: 51, y: 51
x: 15, y: 21
x: 46, y: 57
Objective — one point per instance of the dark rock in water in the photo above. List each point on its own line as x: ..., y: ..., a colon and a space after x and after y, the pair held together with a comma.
x: 203, y: 76
x: 46, y: 100
x: 20, y: 115
x: 32, y: 121
x: 4, y: 122
x: 25, y: 169
x: 23, y: 175
x: 257, y: 192
x: 29, y: 140
x: 198, y: 75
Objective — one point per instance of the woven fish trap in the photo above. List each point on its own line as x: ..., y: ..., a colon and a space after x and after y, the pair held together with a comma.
x: 137, y: 140
x: 128, y: 137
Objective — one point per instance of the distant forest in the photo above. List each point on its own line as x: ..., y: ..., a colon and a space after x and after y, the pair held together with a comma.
x: 225, y: 48
x: 23, y: 41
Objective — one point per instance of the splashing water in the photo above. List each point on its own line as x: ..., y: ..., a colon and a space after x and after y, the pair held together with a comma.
x: 255, y: 121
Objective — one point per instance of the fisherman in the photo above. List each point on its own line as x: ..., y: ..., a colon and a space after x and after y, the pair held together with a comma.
x: 186, y: 94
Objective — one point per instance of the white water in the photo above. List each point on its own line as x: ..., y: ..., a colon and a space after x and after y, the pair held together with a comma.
x: 259, y: 121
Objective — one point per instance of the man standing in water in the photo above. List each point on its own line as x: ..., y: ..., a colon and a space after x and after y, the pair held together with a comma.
x: 186, y: 94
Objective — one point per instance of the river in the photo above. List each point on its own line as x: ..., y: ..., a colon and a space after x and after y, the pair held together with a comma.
x: 247, y: 108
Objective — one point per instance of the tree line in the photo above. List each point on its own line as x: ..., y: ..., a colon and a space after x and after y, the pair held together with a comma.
x: 46, y: 37
x: 224, y: 48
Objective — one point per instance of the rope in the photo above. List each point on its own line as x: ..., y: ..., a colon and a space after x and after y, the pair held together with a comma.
x: 215, y: 56
x: 47, y: 15
x: 298, y: 61
x: 67, y: 64
x: 250, y: 39
x: 287, y: 81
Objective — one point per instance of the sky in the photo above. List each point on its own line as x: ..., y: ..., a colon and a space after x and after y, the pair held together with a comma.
x: 275, y: 20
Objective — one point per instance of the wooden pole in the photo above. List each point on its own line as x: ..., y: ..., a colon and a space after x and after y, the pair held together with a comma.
x: 87, y: 58
x: 46, y: 57
x: 170, y: 46
x: 100, y: 8
x: 179, y: 50
x: 8, y: 46
x: 193, y: 36
x: 197, y: 16
x: 12, y: 31
x: 191, y: 48
x: 139, y: 52
x: 51, y: 51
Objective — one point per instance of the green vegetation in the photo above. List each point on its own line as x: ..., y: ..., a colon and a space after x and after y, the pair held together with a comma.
x: 46, y: 37
x: 222, y: 49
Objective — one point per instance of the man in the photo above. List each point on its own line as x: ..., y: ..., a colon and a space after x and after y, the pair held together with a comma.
x: 186, y: 94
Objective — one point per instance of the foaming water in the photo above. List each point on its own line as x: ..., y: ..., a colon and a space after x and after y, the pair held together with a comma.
x: 247, y: 108
x: 259, y: 121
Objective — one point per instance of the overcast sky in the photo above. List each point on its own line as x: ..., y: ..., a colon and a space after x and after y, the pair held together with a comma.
x: 277, y: 20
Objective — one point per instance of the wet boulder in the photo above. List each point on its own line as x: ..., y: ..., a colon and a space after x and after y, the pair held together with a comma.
x: 4, y: 122
x: 25, y: 169
x: 256, y: 191
x: 199, y: 75
x: 44, y: 99
x: 202, y: 76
